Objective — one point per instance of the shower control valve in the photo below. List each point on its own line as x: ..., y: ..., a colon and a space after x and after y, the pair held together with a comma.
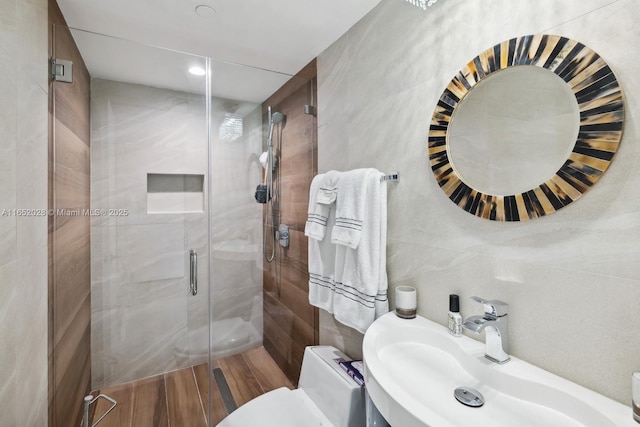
x: 283, y: 235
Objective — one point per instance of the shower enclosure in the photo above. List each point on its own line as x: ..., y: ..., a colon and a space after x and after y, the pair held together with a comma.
x: 176, y: 237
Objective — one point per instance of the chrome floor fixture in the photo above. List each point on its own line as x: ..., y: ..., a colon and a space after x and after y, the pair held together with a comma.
x: 422, y: 4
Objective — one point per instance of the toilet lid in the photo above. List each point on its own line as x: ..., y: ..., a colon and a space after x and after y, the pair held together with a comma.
x: 278, y: 408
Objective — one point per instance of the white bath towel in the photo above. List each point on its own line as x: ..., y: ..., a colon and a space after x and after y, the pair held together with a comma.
x: 329, y: 188
x: 361, y: 272
x: 351, y: 206
x: 317, y: 213
x: 322, y: 257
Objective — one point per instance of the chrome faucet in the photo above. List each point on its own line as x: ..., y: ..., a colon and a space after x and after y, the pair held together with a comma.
x: 495, y: 324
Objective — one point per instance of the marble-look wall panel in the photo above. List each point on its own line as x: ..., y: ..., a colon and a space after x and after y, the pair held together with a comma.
x: 139, y: 130
x: 23, y: 240
x: 8, y: 123
x: 150, y: 252
x: 8, y: 341
x: 571, y: 278
x: 137, y: 341
x: 140, y: 261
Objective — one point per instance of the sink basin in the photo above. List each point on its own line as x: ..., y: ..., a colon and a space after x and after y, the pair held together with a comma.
x: 412, y: 368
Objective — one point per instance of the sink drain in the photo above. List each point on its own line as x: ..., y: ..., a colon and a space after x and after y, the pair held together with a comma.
x: 469, y: 396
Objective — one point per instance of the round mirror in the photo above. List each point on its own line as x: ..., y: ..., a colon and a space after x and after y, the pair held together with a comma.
x: 526, y: 128
x: 513, y: 131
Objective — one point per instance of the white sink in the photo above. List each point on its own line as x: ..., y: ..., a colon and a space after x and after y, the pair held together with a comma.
x: 412, y: 368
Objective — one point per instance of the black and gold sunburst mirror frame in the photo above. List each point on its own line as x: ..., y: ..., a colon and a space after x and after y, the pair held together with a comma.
x: 600, y: 103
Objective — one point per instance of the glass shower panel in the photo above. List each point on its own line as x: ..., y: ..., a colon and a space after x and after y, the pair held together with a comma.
x: 236, y: 218
x: 149, y: 203
x: 256, y: 303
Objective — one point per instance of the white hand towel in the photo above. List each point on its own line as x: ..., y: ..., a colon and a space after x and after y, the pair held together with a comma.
x: 322, y: 257
x: 317, y: 213
x: 350, y: 207
x: 329, y: 188
x: 361, y: 273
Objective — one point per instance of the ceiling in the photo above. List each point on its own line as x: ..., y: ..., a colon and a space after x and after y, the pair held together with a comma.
x: 274, y: 39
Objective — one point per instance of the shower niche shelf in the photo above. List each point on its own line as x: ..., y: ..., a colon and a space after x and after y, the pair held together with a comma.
x: 175, y: 193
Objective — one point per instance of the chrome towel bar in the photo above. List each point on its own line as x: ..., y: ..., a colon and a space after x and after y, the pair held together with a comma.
x: 392, y: 177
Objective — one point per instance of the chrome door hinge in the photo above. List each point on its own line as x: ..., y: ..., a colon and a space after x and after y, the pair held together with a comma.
x: 61, y: 70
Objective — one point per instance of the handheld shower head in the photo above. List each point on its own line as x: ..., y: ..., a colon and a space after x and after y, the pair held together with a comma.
x: 277, y: 117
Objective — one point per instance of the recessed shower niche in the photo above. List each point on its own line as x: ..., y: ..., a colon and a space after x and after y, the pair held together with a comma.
x: 175, y: 193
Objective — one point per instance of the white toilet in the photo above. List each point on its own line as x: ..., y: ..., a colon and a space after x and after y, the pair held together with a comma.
x: 326, y: 396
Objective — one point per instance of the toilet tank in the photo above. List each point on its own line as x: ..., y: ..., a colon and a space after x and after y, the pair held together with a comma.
x: 332, y: 390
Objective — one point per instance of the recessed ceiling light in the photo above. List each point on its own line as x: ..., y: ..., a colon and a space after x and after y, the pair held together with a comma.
x: 197, y: 71
x: 205, y: 11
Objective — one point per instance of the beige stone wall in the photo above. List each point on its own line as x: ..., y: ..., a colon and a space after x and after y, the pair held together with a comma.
x: 23, y: 239
x: 572, y: 279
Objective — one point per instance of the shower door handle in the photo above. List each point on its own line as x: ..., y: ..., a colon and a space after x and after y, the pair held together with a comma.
x: 193, y: 271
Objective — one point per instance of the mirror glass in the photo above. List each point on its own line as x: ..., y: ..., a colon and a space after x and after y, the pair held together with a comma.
x: 513, y: 131
x: 525, y: 128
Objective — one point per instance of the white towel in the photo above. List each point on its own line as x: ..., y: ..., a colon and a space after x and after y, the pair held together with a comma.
x: 350, y: 207
x: 329, y: 188
x: 361, y: 273
x: 317, y: 213
x: 322, y: 257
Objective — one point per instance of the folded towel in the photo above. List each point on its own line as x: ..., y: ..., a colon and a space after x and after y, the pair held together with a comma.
x: 350, y: 206
x: 329, y: 188
x: 322, y: 257
x: 317, y: 213
x: 361, y: 273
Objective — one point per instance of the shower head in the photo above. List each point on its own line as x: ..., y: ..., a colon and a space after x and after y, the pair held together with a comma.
x: 277, y: 117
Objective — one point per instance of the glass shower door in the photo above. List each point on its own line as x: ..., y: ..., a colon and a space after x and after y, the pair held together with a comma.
x: 149, y: 150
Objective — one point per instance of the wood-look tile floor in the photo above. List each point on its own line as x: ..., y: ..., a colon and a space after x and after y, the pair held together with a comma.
x: 179, y: 398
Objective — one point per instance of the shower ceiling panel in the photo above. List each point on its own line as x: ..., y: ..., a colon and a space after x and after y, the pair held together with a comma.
x: 278, y: 35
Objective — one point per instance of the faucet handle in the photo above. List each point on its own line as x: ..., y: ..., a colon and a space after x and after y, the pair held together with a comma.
x: 493, y: 307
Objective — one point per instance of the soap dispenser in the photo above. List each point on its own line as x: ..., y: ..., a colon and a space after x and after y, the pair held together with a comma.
x: 455, y: 319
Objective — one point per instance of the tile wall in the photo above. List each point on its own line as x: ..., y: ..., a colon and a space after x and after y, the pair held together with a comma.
x: 139, y: 265
x: 141, y: 304
x: 23, y: 239
x: 572, y: 279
